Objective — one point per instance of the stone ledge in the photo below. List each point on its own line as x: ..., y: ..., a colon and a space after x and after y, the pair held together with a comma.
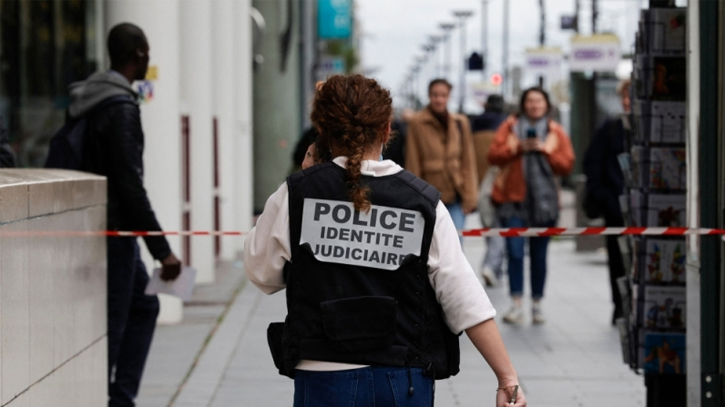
x: 47, y: 192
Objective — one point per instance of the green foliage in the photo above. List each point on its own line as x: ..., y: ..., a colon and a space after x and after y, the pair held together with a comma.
x: 344, y: 49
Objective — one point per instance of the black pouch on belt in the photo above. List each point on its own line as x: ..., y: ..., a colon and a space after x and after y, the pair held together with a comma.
x: 274, y: 340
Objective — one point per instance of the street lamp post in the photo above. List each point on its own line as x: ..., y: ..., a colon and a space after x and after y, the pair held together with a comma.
x: 462, y: 16
x: 414, y: 95
x: 430, y: 56
x: 484, y: 37
x: 435, y: 40
x: 542, y: 34
x: 420, y: 62
x: 505, y: 50
x: 447, y: 28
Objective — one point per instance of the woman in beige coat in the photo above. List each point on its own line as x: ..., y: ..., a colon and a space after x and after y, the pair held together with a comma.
x: 439, y: 149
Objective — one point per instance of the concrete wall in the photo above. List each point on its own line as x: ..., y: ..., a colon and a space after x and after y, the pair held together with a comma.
x: 52, y: 289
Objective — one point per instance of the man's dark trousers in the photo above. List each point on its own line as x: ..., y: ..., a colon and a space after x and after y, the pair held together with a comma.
x: 616, y: 265
x: 131, y: 320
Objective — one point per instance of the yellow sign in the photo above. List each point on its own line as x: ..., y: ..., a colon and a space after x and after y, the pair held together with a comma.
x: 152, y: 74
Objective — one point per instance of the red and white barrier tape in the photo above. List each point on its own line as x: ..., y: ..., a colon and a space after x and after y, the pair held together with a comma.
x: 510, y: 232
x: 632, y: 231
x: 114, y: 233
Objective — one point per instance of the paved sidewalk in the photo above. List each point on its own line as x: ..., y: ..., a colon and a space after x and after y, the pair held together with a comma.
x: 176, y: 348
x: 572, y: 360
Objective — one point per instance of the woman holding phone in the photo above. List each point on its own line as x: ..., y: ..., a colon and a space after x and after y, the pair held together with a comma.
x: 377, y: 285
x: 531, y: 150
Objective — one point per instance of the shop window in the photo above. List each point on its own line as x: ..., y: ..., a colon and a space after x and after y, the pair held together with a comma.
x: 44, y: 46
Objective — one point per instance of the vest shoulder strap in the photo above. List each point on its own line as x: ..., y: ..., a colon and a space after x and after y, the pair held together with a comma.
x: 298, y: 176
x: 425, y: 189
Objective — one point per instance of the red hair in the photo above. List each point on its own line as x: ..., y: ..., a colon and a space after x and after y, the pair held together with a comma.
x: 352, y: 113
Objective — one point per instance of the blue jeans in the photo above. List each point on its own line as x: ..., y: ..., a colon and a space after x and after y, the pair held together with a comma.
x: 537, y: 253
x: 459, y: 218
x: 495, y: 252
x: 456, y: 211
x: 131, y: 320
x: 367, y: 387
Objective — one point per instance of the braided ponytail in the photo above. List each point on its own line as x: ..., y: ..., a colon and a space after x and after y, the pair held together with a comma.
x: 352, y: 113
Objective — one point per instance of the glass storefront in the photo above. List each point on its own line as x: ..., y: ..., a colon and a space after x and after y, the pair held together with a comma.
x: 44, y: 46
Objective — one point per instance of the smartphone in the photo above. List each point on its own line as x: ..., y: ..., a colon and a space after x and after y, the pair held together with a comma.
x: 531, y: 133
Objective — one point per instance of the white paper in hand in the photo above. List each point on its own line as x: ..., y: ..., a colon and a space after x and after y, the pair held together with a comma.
x: 182, y: 287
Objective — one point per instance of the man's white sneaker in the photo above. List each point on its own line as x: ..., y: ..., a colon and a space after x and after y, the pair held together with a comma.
x: 537, y: 316
x: 515, y: 315
x: 489, y: 277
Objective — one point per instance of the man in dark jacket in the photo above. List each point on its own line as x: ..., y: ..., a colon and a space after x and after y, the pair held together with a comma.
x: 7, y: 156
x: 605, y: 183
x: 484, y: 129
x: 492, y: 117
x: 114, y: 148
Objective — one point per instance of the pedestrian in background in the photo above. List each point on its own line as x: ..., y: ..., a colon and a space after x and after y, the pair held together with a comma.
x: 302, y: 148
x: 439, y: 149
x: 7, y: 156
x: 484, y: 129
x: 531, y: 150
x: 395, y: 149
x: 361, y: 331
x: 605, y: 183
x: 113, y: 147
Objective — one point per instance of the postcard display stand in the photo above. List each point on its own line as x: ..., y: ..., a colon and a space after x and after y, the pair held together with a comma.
x: 653, y: 330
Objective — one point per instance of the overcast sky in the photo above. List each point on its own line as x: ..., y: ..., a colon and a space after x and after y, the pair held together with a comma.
x: 394, y: 30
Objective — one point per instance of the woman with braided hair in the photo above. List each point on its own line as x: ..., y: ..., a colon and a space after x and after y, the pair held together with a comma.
x: 378, y: 288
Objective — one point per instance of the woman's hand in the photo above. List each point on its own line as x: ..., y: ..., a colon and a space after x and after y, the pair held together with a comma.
x: 469, y: 208
x: 487, y: 339
x: 504, y: 395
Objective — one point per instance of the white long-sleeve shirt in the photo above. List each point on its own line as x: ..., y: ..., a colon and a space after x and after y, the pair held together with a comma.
x: 464, y: 302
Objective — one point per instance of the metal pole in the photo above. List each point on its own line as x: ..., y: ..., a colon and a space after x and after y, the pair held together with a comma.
x: 709, y: 210
x: 417, y: 87
x: 542, y: 34
x: 595, y: 15
x: 447, y: 70
x: 441, y: 61
x: 484, y: 38
x: 577, y: 11
x: 542, y: 23
x: 462, y: 85
x: 447, y: 27
x: 505, y: 50
x: 436, y: 43
x: 462, y: 16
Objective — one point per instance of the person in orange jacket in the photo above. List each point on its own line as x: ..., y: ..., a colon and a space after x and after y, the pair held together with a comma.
x: 532, y: 150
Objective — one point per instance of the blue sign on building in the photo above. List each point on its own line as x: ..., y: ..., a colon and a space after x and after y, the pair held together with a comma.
x: 334, y: 19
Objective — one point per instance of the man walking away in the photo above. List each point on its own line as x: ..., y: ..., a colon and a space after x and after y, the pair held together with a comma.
x: 605, y: 183
x: 484, y: 129
x: 113, y: 147
x: 7, y: 157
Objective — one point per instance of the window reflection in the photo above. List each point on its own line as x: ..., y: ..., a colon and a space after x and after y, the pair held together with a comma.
x: 44, y: 46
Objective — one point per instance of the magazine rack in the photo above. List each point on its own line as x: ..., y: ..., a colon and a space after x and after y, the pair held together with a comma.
x: 655, y: 171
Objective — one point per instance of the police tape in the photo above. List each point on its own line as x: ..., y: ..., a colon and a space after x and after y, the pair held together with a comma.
x: 592, y: 231
x: 484, y: 232
x: 115, y: 233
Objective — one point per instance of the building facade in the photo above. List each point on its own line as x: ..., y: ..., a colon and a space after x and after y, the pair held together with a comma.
x: 196, y: 104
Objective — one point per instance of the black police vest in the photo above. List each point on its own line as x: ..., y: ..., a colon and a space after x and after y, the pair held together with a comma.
x: 357, y: 284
